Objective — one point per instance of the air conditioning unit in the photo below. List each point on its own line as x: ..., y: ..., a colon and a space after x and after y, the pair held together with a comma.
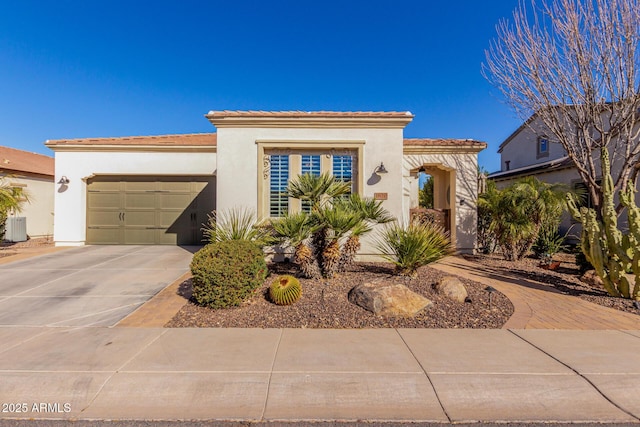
x: 16, y: 229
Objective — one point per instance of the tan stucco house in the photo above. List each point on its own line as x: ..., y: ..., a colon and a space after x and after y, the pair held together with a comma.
x: 159, y: 189
x: 34, y: 173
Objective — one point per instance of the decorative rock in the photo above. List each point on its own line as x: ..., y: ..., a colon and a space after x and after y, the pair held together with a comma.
x: 452, y: 288
x: 592, y: 279
x: 388, y: 299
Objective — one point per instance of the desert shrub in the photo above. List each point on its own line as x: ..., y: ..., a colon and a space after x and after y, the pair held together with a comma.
x: 548, y: 243
x: 227, y: 273
x: 236, y: 224
x: 410, y: 247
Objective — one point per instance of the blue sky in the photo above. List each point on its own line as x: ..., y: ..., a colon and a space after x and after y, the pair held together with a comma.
x: 73, y: 69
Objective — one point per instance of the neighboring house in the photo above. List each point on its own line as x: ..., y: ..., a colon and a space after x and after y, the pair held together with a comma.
x: 159, y: 189
x: 34, y: 173
x: 532, y: 150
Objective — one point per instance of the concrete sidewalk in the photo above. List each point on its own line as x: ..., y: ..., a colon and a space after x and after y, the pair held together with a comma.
x: 315, y: 375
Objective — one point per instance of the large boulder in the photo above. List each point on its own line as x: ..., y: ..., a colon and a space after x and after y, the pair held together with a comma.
x: 452, y: 288
x: 386, y: 299
x: 591, y: 278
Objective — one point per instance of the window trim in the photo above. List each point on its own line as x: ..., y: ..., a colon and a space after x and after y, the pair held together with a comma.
x: 297, y: 147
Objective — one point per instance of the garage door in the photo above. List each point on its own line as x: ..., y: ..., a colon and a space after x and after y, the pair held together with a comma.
x: 135, y: 210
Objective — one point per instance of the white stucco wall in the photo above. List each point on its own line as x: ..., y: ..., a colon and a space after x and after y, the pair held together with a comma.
x: 39, y: 209
x: 465, y: 167
x: 70, y: 200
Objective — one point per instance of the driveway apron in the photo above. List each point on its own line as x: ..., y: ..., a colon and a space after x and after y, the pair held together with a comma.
x: 87, y: 286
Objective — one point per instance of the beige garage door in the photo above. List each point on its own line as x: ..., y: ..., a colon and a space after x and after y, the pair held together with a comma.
x: 135, y: 210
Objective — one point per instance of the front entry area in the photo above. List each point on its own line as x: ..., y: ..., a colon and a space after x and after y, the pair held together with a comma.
x: 148, y: 210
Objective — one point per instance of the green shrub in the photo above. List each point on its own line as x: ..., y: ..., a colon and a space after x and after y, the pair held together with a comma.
x: 410, y: 247
x: 548, y: 243
x: 227, y: 273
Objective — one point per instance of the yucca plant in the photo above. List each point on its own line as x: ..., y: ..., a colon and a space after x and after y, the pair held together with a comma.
x: 236, y: 224
x: 412, y: 246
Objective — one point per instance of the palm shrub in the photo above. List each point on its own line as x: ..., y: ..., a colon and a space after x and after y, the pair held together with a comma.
x: 226, y: 273
x: 327, y: 238
x: 295, y: 230
x: 413, y: 246
x: 521, y: 211
x: 11, y: 199
x: 236, y: 224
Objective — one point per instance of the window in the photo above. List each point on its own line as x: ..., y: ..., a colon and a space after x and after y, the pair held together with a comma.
x: 543, y: 146
x: 278, y: 179
x: 284, y: 167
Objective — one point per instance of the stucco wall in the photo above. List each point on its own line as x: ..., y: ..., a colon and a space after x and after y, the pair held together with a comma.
x: 522, y: 150
x: 39, y: 209
x: 463, y: 197
x: 70, y: 200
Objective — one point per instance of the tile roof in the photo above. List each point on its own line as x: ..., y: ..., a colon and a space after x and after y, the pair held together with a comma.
x: 15, y: 161
x: 197, y: 139
x: 438, y: 142
x: 315, y: 114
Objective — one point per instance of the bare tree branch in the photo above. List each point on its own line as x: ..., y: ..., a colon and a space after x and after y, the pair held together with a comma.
x: 575, y: 65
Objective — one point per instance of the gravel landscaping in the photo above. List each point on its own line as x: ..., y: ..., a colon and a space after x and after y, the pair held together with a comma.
x: 324, y: 304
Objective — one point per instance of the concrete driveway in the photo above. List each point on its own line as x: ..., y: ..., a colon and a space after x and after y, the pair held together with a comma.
x: 87, y: 286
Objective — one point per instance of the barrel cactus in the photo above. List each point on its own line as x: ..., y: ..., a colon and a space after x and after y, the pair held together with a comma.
x: 285, y: 290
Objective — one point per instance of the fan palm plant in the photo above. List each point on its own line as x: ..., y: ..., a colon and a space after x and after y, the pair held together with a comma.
x: 371, y: 212
x: 317, y: 189
x: 334, y: 226
x: 519, y: 212
x: 336, y: 222
x: 295, y: 230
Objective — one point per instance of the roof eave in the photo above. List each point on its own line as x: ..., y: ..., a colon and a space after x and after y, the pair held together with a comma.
x: 312, y: 121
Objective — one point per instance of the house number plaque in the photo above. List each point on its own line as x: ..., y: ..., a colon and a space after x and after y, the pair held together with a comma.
x: 380, y: 196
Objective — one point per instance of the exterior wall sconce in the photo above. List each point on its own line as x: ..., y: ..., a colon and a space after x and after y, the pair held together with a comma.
x: 63, y: 180
x: 381, y: 169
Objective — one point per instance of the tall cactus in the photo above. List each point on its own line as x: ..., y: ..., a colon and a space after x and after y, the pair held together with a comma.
x: 610, y: 252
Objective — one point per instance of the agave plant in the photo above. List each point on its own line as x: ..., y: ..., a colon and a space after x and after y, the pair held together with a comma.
x: 410, y: 247
x: 236, y: 224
